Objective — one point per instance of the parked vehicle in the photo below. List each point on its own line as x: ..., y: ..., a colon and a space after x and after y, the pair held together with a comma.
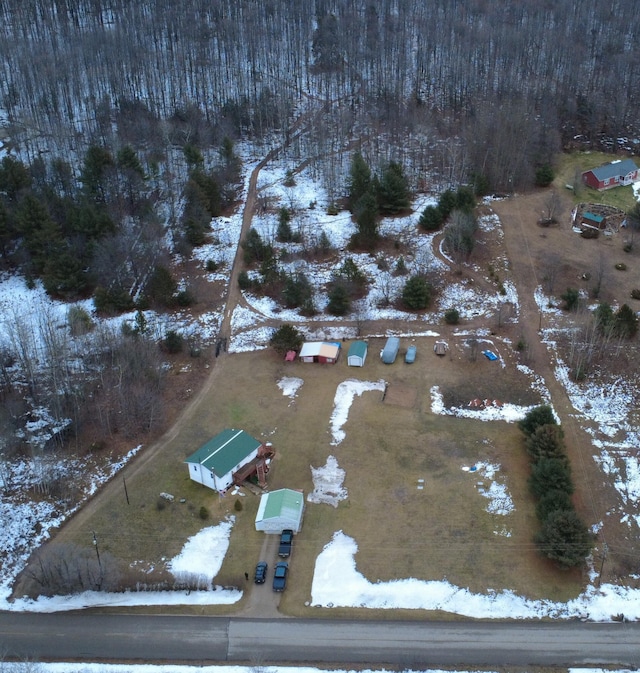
x: 410, y: 356
x: 280, y: 576
x: 261, y: 572
x: 390, y: 350
x: 286, y: 542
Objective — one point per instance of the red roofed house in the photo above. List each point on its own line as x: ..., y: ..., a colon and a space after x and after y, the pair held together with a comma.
x: 614, y: 174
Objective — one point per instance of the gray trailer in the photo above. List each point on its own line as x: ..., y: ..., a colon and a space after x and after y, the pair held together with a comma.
x: 390, y: 350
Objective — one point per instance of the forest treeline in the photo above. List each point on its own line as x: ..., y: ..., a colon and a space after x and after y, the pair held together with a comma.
x: 510, y: 82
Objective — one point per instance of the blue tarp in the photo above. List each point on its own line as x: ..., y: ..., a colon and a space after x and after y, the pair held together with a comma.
x: 490, y: 355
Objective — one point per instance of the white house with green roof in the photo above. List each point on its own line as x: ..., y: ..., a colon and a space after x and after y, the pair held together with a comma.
x: 280, y: 510
x: 215, y: 463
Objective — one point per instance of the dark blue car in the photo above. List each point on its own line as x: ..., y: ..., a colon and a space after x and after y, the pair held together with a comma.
x: 261, y: 573
x: 280, y: 576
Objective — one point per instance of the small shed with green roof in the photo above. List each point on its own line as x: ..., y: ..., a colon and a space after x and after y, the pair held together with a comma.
x: 357, y: 354
x: 215, y: 463
x: 280, y: 510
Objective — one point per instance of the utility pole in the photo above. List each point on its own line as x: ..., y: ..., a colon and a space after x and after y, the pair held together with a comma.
x: 95, y: 544
x: 605, y: 549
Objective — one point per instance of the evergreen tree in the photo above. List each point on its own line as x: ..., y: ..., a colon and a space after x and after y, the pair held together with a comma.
x: 550, y: 474
x: 359, y: 180
x: 546, y: 441
x: 127, y: 159
x: 286, y: 338
x: 552, y: 501
x: 284, y: 233
x: 7, y: 231
x: 431, y: 218
x: 367, y: 221
x: 416, y: 293
x: 42, y: 236
x: 339, y: 302
x: 393, y: 190
x: 571, y: 298
x: 603, y: 315
x: 564, y: 538
x: 94, y: 171
x: 541, y: 415
x: 447, y: 202
x: 625, y: 322
x: 465, y: 199
x: 193, y: 156
x: 14, y: 178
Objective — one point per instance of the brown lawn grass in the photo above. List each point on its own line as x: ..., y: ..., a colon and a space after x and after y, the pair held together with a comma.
x: 440, y: 532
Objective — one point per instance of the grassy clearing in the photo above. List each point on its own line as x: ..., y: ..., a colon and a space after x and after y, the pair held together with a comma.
x: 440, y: 532
x: 569, y: 170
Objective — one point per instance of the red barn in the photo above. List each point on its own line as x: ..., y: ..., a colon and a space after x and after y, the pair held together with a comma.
x: 614, y: 174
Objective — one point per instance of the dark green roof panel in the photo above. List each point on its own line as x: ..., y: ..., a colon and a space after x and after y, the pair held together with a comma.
x: 224, y: 451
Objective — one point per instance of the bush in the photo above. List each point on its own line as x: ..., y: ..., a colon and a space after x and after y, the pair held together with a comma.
x: 112, y: 301
x: 185, y: 298
x: 452, y: 316
x: 244, y: 281
x: 173, y: 342
x: 79, y: 321
x: 564, y: 538
x: 212, y: 265
x: 544, y: 176
x: 401, y: 267
x: 621, y: 266
x: 570, y: 298
x: 625, y: 322
x: 203, y: 513
x: 635, y: 293
x: 162, y: 286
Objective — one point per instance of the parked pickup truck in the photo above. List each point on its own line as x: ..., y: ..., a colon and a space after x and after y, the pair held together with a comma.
x: 286, y: 541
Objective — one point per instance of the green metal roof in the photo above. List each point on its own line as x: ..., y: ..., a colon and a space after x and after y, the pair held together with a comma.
x: 357, y: 348
x: 593, y: 217
x: 224, y: 451
x: 282, y: 501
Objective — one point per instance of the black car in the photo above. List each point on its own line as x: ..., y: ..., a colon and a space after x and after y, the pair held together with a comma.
x: 261, y: 572
x: 280, y: 576
x: 286, y: 542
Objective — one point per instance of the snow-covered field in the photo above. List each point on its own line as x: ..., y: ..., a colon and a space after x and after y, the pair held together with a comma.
x: 615, y: 441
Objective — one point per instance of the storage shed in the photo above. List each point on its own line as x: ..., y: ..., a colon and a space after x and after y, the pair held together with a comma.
x: 390, y: 350
x: 280, y: 510
x: 230, y: 453
x: 326, y: 352
x: 357, y: 354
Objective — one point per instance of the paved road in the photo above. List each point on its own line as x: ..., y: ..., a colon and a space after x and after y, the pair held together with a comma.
x: 129, y: 638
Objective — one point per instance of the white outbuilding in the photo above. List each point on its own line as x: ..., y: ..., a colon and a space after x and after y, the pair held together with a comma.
x: 357, y: 354
x: 280, y: 510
